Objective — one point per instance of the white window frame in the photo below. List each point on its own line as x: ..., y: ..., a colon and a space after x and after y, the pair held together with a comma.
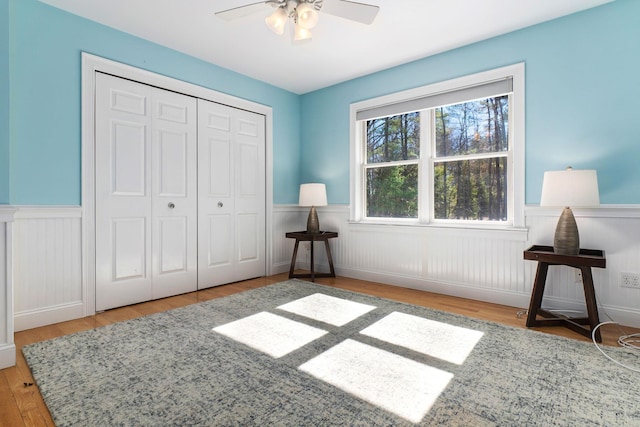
x: 515, y: 171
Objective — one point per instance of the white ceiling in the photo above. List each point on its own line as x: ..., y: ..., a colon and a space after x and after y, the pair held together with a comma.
x: 403, y: 31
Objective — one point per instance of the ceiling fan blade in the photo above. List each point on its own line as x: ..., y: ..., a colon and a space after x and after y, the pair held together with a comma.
x: 360, y: 12
x: 242, y: 11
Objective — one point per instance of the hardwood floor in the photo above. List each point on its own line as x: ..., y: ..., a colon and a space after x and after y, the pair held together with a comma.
x: 22, y: 405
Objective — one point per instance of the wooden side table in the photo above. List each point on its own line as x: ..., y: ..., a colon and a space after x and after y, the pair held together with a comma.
x: 303, y: 236
x: 585, y: 259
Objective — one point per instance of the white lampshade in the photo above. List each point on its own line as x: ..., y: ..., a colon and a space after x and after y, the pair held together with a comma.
x: 574, y: 188
x: 307, y: 16
x: 577, y: 188
x: 277, y: 20
x: 313, y: 194
x: 300, y: 33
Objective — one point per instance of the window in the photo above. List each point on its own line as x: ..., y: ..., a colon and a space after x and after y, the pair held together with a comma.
x: 391, y: 166
x: 449, y: 153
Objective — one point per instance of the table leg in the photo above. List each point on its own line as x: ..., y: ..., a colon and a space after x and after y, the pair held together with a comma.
x: 313, y: 271
x: 537, y: 292
x: 328, y: 249
x: 590, y: 299
x: 293, y: 260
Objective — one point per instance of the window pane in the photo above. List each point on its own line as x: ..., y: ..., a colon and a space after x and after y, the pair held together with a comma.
x: 473, y: 127
x: 471, y: 189
x: 393, y: 138
x: 392, y: 192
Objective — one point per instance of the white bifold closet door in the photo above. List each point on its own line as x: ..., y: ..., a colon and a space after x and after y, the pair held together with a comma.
x: 231, y: 188
x: 145, y: 191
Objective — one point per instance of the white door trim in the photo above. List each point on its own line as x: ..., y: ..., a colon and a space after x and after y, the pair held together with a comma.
x: 92, y: 64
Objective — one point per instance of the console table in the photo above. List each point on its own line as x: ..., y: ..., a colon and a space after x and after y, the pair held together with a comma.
x: 303, y: 236
x: 585, y: 260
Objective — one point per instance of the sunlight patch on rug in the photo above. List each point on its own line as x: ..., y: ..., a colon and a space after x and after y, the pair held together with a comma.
x: 446, y: 342
x: 324, y: 308
x: 399, y: 385
x: 270, y: 334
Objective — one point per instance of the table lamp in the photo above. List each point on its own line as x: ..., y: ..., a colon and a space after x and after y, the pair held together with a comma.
x: 577, y: 188
x: 313, y: 195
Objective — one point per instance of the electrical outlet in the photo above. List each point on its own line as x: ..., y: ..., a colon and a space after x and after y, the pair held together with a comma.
x: 630, y: 280
x: 578, y: 275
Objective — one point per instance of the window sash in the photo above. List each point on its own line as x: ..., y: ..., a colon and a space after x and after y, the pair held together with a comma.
x: 478, y: 156
x: 470, y: 206
x: 393, y: 163
x: 401, y: 201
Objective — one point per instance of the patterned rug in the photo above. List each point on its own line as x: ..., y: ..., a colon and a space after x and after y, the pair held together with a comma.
x: 301, y: 354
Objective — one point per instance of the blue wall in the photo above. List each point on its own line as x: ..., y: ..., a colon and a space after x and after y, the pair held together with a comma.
x: 4, y: 101
x: 45, y: 102
x: 582, y: 101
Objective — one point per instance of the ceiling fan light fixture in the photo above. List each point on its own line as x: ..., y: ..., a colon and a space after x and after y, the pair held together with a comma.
x: 307, y: 15
x: 304, y: 14
x: 277, y: 20
x: 300, y: 33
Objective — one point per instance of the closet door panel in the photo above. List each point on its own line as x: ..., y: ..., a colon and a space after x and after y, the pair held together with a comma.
x: 173, y: 175
x: 123, y: 193
x: 248, y: 229
x: 128, y: 158
x: 219, y: 166
x: 220, y: 227
x: 249, y: 182
x: 250, y: 194
x: 173, y: 245
x: 129, y: 248
x: 175, y: 196
x: 232, y: 203
x: 146, y: 192
x: 215, y: 202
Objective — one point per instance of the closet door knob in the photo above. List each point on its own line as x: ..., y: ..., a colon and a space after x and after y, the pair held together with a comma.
x: 220, y: 204
x: 171, y: 205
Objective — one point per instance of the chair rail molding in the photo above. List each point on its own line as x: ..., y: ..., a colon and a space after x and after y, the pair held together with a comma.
x: 7, y: 345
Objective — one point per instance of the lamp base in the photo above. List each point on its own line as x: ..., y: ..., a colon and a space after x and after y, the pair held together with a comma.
x: 313, y: 225
x: 566, y: 240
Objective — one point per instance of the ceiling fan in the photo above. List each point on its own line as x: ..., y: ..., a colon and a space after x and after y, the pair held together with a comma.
x: 303, y: 13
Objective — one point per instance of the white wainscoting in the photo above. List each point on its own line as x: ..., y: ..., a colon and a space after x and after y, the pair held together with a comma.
x: 614, y: 229
x: 47, y: 267
x: 7, y: 346
x: 477, y: 264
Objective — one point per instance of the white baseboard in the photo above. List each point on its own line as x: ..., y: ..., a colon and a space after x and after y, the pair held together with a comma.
x: 7, y: 356
x: 449, y: 288
x: 48, y: 316
x: 280, y: 267
x: 621, y: 315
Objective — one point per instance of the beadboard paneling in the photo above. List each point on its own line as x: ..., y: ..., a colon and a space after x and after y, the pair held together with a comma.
x: 478, y: 264
x: 614, y: 229
x: 47, y: 266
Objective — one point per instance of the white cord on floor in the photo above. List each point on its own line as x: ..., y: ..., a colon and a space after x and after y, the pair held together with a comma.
x: 593, y: 337
x: 629, y: 341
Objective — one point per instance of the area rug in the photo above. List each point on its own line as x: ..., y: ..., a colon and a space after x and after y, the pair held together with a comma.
x: 301, y: 354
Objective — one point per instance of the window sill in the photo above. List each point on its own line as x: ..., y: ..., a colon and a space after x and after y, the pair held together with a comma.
x: 469, y: 230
